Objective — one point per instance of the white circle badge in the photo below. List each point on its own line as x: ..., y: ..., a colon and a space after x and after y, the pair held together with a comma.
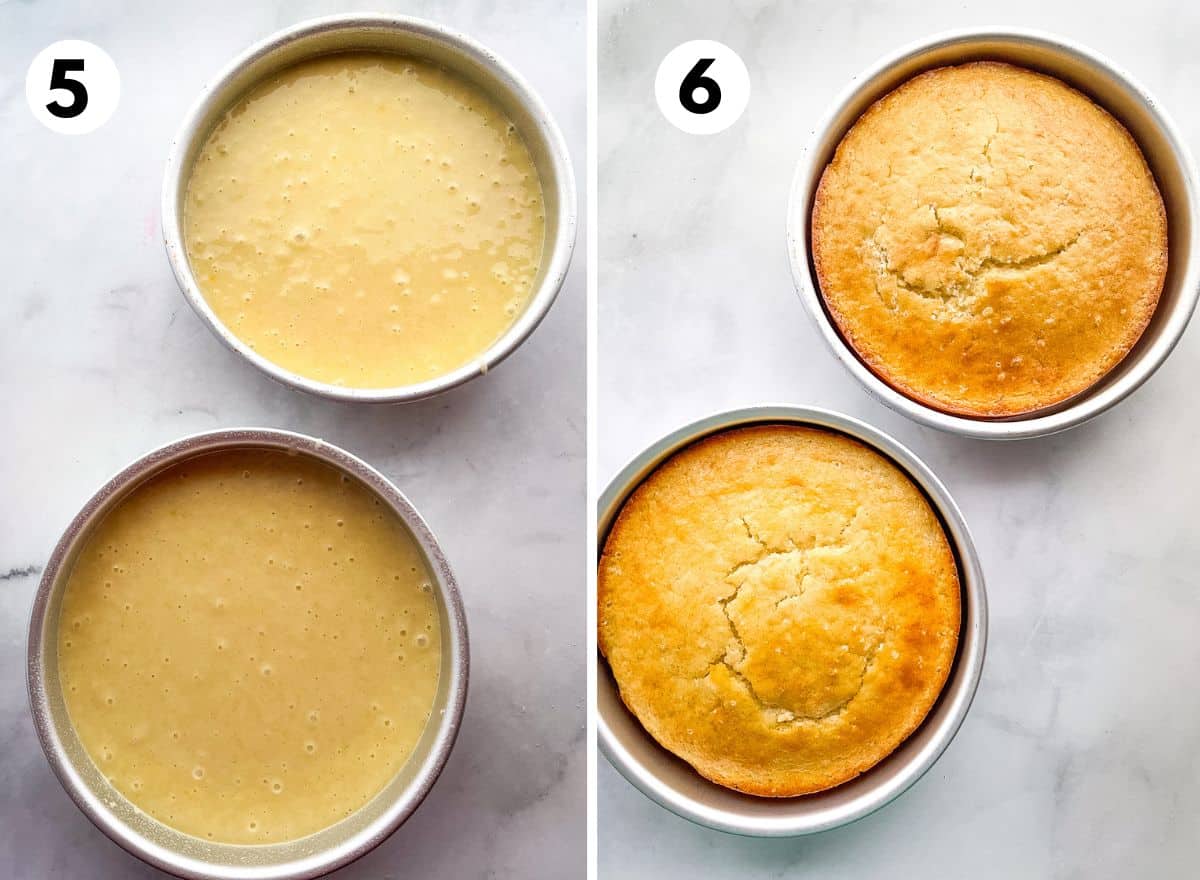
x: 73, y: 87
x: 702, y: 87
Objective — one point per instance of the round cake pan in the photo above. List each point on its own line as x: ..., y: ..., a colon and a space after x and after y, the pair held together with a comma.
x: 675, y: 785
x: 187, y: 856
x: 406, y: 36
x: 1112, y: 89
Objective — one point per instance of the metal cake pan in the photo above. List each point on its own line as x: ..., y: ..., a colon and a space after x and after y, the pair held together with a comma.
x: 1110, y: 87
x: 182, y: 854
x: 675, y: 785
x: 399, y: 35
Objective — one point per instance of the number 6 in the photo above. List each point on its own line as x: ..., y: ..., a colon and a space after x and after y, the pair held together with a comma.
x: 696, y: 79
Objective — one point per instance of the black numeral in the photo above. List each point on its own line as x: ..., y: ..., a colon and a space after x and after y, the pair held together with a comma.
x: 696, y: 79
x: 60, y: 80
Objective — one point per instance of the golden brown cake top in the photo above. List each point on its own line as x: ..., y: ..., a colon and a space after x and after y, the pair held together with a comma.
x: 988, y: 240
x: 779, y: 606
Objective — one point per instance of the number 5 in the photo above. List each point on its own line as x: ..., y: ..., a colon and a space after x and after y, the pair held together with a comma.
x: 696, y: 79
x: 60, y: 80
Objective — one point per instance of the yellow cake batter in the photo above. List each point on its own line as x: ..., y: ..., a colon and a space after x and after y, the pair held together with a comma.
x: 249, y: 646
x: 365, y: 220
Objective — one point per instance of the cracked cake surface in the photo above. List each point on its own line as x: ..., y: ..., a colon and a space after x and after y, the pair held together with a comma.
x: 989, y: 240
x: 779, y: 606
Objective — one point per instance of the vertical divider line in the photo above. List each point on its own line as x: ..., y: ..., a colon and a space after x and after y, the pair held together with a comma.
x: 593, y: 489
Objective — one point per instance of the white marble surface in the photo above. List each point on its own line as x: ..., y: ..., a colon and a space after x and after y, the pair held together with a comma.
x: 1079, y: 758
x: 101, y: 359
